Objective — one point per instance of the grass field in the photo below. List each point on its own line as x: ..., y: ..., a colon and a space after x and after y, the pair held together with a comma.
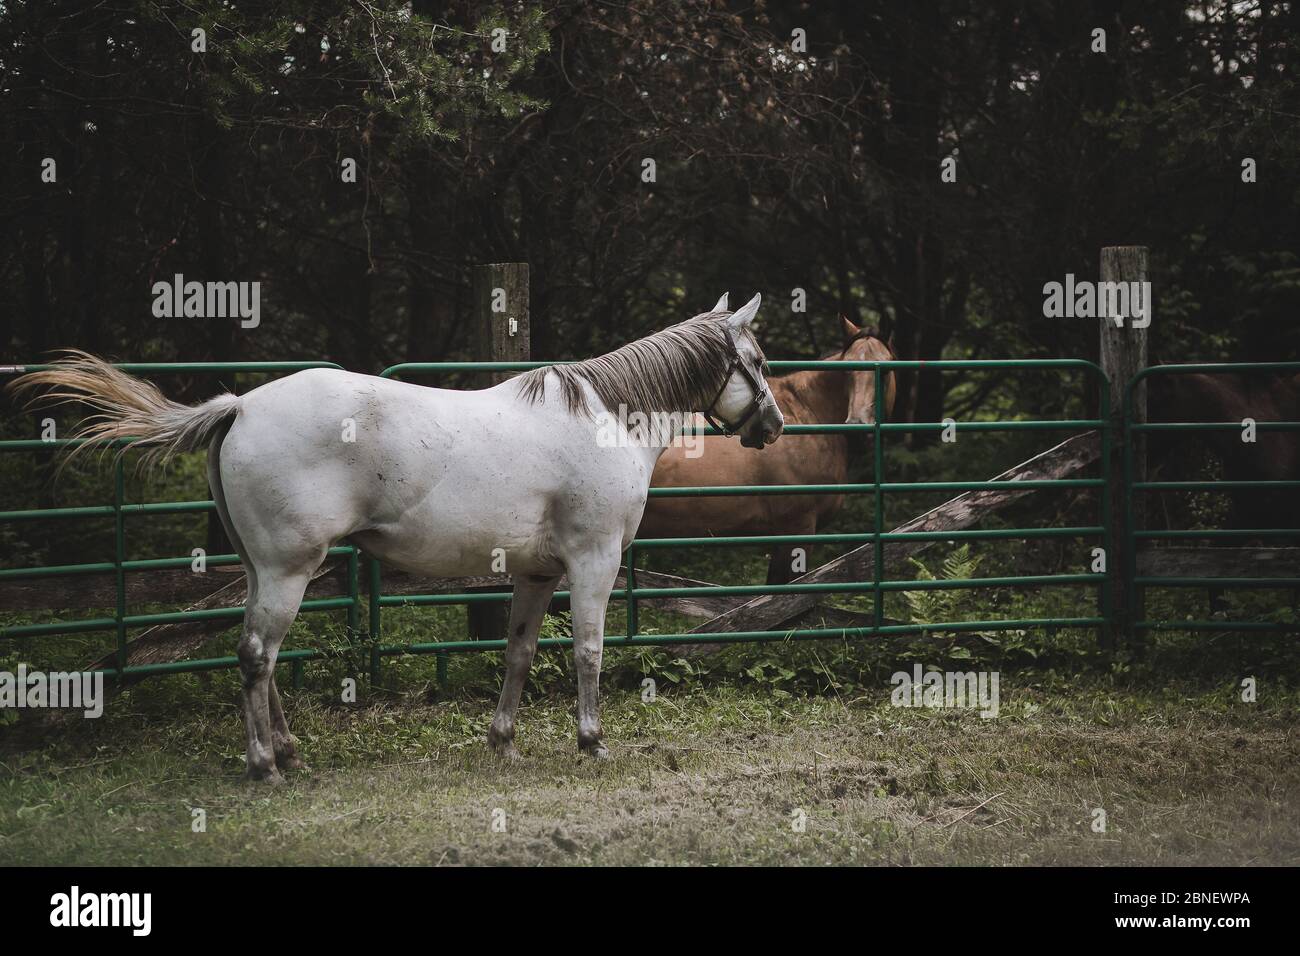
x: 714, y: 771
x: 733, y: 752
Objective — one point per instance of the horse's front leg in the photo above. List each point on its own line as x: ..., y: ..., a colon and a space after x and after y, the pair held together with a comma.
x: 532, y: 594
x: 590, y: 581
x: 780, y: 569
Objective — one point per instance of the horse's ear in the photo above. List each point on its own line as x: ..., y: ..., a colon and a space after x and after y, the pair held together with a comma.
x: 745, y: 314
x: 851, y: 331
x: 722, y: 304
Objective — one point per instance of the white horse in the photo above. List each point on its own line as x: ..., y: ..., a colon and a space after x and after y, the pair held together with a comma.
x: 439, y: 482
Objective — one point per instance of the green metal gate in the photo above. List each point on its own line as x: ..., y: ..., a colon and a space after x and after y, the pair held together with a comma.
x: 1132, y: 487
x: 121, y: 622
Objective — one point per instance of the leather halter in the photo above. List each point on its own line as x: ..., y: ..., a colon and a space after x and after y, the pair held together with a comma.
x: 760, y: 391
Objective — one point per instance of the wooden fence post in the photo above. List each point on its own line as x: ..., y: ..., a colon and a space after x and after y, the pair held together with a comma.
x: 501, y: 335
x: 1123, y: 355
x: 501, y: 313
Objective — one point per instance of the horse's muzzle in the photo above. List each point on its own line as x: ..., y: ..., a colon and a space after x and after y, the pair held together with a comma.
x: 760, y: 438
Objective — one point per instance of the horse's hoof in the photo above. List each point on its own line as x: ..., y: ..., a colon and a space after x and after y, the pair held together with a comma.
x: 291, y: 762
x: 502, y: 746
x: 508, y: 752
x: 271, y: 777
x: 596, y: 750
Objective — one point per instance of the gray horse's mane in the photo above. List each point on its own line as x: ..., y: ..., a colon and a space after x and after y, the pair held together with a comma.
x: 677, y: 370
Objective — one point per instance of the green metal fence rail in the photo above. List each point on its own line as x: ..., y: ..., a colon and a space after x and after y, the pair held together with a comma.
x: 121, y: 622
x: 1134, y: 581
x: 878, y: 587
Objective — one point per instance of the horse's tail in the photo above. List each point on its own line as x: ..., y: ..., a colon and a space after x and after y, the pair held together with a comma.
x: 127, y: 407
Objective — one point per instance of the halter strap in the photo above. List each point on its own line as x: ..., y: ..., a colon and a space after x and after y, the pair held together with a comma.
x: 759, y: 391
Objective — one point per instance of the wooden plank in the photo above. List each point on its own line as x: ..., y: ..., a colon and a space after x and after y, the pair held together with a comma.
x: 773, y: 611
x: 1219, y: 562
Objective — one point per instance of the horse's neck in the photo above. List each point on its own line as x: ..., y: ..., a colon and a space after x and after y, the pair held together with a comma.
x: 813, y: 396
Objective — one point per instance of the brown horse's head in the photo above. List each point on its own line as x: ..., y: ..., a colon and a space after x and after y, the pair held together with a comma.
x: 865, y: 345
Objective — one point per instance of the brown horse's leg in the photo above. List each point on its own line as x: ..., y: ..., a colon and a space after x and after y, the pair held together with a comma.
x: 779, y: 570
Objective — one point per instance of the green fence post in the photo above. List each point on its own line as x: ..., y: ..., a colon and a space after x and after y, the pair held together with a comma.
x: 354, y: 589
x: 119, y: 560
x: 354, y: 613
x: 878, y: 550
x: 631, y: 590
x: 1127, y: 527
x: 1104, y: 435
x: 376, y: 613
x: 1126, y: 618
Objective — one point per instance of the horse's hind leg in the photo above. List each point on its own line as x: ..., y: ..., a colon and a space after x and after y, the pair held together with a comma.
x: 284, y: 743
x: 527, y: 606
x: 270, y: 612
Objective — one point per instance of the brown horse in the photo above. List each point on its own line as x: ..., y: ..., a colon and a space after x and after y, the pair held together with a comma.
x: 1231, y: 397
x: 816, y: 396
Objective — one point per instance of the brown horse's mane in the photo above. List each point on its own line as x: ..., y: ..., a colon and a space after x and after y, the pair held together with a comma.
x: 834, y: 354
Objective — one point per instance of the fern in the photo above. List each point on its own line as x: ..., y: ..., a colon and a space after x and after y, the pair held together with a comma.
x: 933, y: 607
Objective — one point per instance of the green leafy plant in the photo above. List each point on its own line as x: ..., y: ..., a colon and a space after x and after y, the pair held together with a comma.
x: 937, y: 605
x: 556, y: 625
